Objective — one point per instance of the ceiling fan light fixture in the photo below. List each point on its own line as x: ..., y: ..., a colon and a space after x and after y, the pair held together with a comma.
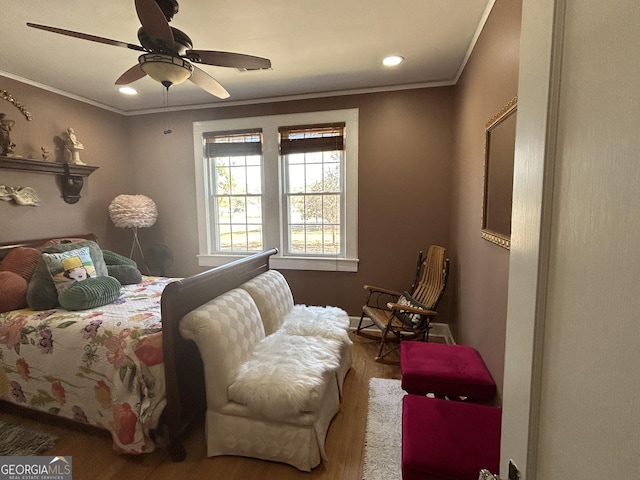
x: 392, y: 60
x: 168, y: 52
x: 166, y: 69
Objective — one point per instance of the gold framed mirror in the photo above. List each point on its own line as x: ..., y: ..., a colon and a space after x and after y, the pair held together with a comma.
x: 499, y: 148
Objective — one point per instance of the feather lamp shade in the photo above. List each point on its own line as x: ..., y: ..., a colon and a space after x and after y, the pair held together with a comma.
x: 133, y: 211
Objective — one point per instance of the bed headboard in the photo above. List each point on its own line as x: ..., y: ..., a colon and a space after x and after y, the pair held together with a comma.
x: 39, y: 242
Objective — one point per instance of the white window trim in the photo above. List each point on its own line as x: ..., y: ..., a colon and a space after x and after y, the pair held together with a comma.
x: 272, y: 175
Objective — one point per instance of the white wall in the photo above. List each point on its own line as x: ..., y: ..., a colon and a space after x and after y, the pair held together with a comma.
x: 571, y: 407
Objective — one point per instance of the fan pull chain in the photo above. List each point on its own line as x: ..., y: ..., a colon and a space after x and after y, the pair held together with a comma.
x: 167, y: 129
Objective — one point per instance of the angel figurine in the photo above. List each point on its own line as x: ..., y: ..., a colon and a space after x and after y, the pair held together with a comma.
x: 25, y: 196
x: 20, y: 195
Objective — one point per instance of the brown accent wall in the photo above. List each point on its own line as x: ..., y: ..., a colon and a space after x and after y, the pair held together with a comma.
x: 106, y: 140
x: 481, y: 269
x: 405, y: 151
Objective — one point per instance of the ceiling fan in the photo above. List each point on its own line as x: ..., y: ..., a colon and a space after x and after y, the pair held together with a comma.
x: 168, y: 53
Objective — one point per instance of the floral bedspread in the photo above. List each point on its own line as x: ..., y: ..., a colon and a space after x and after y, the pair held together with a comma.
x: 102, y: 366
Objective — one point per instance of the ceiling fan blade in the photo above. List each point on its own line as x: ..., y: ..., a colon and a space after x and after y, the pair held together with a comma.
x: 228, y: 59
x: 208, y: 83
x: 86, y: 36
x: 131, y: 75
x: 154, y: 23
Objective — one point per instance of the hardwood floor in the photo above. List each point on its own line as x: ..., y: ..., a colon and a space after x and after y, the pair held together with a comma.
x: 93, y: 458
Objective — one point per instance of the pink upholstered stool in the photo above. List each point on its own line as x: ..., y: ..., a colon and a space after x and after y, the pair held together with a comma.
x: 445, y: 440
x: 446, y: 371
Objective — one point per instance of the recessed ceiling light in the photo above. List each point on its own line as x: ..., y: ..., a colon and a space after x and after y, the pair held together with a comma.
x: 392, y: 60
x: 128, y: 90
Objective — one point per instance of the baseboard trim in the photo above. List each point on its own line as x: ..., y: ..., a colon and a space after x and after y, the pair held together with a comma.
x: 437, y: 330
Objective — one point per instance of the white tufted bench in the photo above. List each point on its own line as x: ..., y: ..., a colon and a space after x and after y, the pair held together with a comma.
x: 273, y: 371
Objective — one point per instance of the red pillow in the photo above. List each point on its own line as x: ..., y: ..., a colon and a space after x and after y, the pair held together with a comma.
x: 21, y: 260
x: 13, y: 292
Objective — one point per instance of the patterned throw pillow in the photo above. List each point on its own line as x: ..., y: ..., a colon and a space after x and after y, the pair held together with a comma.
x: 410, y: 319
x: 67, y: 268
x: 94, y: 250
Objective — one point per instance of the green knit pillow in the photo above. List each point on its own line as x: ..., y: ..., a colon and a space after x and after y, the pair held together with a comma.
x: 126, y: 274
x: 41, y: 292
x: 90, y: 293
x: 113, y: 258
x: 122, y: 268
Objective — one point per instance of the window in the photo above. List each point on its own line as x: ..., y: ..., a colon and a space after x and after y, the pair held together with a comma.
x: 233, y: 167
x: 285, y: 181
x: 312, y: 162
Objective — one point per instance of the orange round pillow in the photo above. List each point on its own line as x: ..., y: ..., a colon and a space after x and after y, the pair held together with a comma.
x: 21, y: 260
x: 13, y: 291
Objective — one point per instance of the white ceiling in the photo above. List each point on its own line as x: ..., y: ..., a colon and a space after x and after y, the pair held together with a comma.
x: 321, y: 47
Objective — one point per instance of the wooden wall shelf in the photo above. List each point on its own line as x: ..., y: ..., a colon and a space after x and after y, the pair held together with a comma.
x: 71, y: 176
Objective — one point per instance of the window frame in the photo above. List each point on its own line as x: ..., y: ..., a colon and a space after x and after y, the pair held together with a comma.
x: 291, y: 146
x: 230, y: 150
x: 272, y: 178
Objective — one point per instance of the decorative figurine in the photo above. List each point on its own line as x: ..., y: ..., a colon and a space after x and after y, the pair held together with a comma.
x: 74, y: 147
x: 6, y: 145
x: 20, y: 195
x: 25, y: 196
x: 45, y: 153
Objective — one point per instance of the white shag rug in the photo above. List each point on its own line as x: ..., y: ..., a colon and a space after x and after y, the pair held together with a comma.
x: 383, y: 436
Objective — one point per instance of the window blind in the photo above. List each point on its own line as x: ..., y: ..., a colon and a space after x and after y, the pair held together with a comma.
x: 311, y: 138
x: 237, y: 143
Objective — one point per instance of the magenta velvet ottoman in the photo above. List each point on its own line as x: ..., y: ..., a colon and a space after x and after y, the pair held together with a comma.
x: 446, y: 371
x: 448, y: 440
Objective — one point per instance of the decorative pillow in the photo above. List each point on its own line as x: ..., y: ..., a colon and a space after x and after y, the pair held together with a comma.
x: 126, y: 274
x: 21, y: 260
x: 69, y: 267
x: 113, y: 258
x: 90, y: 293
x: 94, y: 250
x: 411, y: 320
x: 13, y: 291
x: 42, y: 293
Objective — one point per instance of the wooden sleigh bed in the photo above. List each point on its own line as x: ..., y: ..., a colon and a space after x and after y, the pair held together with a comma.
x: 167, y: 372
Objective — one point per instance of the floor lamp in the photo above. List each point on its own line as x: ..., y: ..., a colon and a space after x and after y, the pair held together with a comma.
x: 133, y: 211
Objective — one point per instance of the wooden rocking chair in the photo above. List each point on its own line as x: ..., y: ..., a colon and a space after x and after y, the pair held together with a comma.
x: 407, y: 316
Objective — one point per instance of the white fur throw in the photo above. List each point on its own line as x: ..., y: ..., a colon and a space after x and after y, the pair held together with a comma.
x: 286, y: 375
x: 326, y: 322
